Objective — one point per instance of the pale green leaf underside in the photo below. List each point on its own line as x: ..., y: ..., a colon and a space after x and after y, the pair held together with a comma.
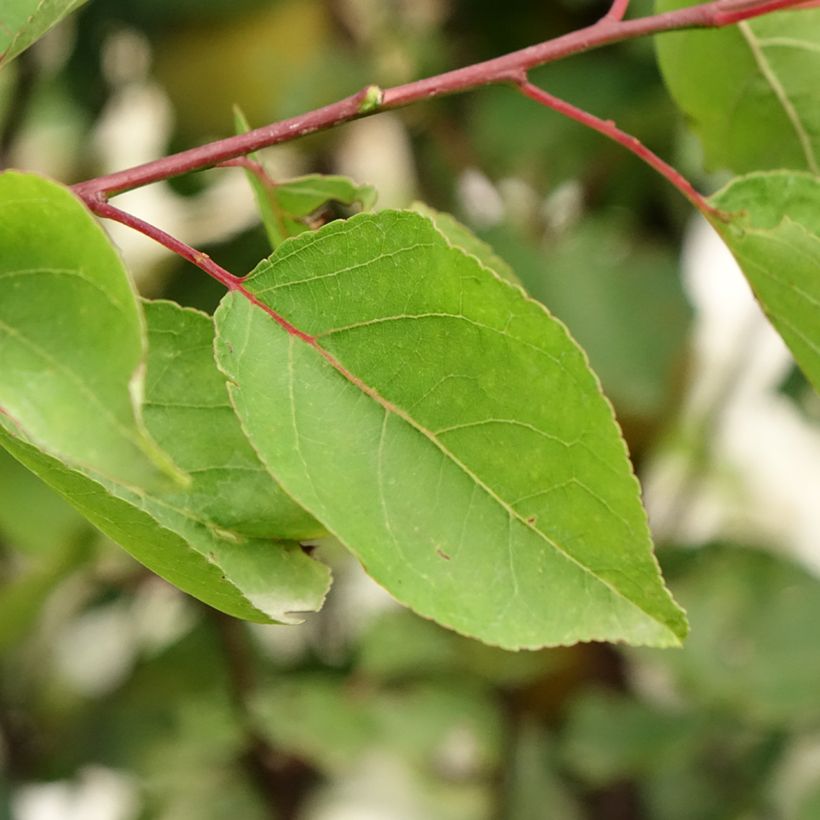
x: 751, y: 91
x: 72, y: 339
x: 256, y: 580
x: 72, y: 333
x: 775, y: 237
x: 449, y: 432
x: 23, y: 22
x: 189, y: 414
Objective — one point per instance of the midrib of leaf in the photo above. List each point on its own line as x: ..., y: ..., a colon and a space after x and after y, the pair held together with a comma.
x: 788, y: 42
x: 390, y: 407
x: 768, y: 73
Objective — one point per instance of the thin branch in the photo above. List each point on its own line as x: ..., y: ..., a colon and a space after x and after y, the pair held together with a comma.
x: 618, y: 10
x: 251, y: 165
x: 105, y: 209
x: 609, y: 129
x: 372, y: 99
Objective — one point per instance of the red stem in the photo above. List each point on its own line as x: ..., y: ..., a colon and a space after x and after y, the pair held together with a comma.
x: 234, y: 283
x: 618, y: 10
x: 105, y: 209
x: 633, y: 144
x: 508, y: 68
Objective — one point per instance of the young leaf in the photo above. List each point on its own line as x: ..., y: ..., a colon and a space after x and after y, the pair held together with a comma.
x: 448, y: 431
x: 285, y: 206
x: 188, y: 412
x: 263, y: 190
x: 751, y: 90
x: 72, y: 339
x: 774, y: 234
x: 23, y: 22
x: 301, y: 196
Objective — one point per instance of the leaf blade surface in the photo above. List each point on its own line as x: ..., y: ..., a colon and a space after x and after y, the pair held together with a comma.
x: 23, y: 22
x: 774, y: 234
x: 750, y: 91
x: 409, y: 370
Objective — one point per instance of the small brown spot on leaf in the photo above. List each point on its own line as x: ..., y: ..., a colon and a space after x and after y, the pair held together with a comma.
x: 442, y: 554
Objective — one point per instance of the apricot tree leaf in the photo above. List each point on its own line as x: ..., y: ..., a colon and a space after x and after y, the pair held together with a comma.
x: 774, y: 234
x: 23, y: 22
x: 751, y: 90
x: 449, y: 431
x: 72, y: 336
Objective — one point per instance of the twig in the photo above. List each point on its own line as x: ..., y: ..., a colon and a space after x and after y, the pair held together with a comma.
x: 105, y: 209
x: 618, y: 10
x: 609, y: 129
x: 370, y: 100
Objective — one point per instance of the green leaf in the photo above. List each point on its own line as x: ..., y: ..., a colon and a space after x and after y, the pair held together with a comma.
x: 188, y: 412
x: 72, y: 339
x: 462, y: 237
x: 257, y: 580
x: 262, y: 189
x: 301, y: 196
x: 752, y: 650
x: 751, y: 90
x: 33, y: 518
x: 72, y: 335
x: 286, y: 206
x: 774, y: 234
x: 23, y: 22
x: 448, y: 431
x: 609, y: 737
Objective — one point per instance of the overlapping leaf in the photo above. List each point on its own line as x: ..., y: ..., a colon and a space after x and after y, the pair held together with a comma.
x: 85, y: 317
x: 449, y: 431
x: 774, y: 234
x: 751, y: 90
x: 187, y: 410
x: 72, y: 339
x: 23, y: 22
x: 462, y: 237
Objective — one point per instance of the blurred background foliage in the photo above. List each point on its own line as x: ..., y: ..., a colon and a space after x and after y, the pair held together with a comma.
x: 121, y: 699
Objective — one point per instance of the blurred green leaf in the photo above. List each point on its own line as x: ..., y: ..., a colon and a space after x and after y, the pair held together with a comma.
x: 33, y: 518
x: 317, y: 717
x: 399, y: 645
x: 752, y: 648
x: 334, y: 723
x: 751, y: 90
x: 774, y: 234
x: 609, y: 737
x: 533, y: 782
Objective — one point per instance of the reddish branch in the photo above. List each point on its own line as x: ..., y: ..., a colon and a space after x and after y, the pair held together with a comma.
x: 507, y: 69
x: 633, y: 144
